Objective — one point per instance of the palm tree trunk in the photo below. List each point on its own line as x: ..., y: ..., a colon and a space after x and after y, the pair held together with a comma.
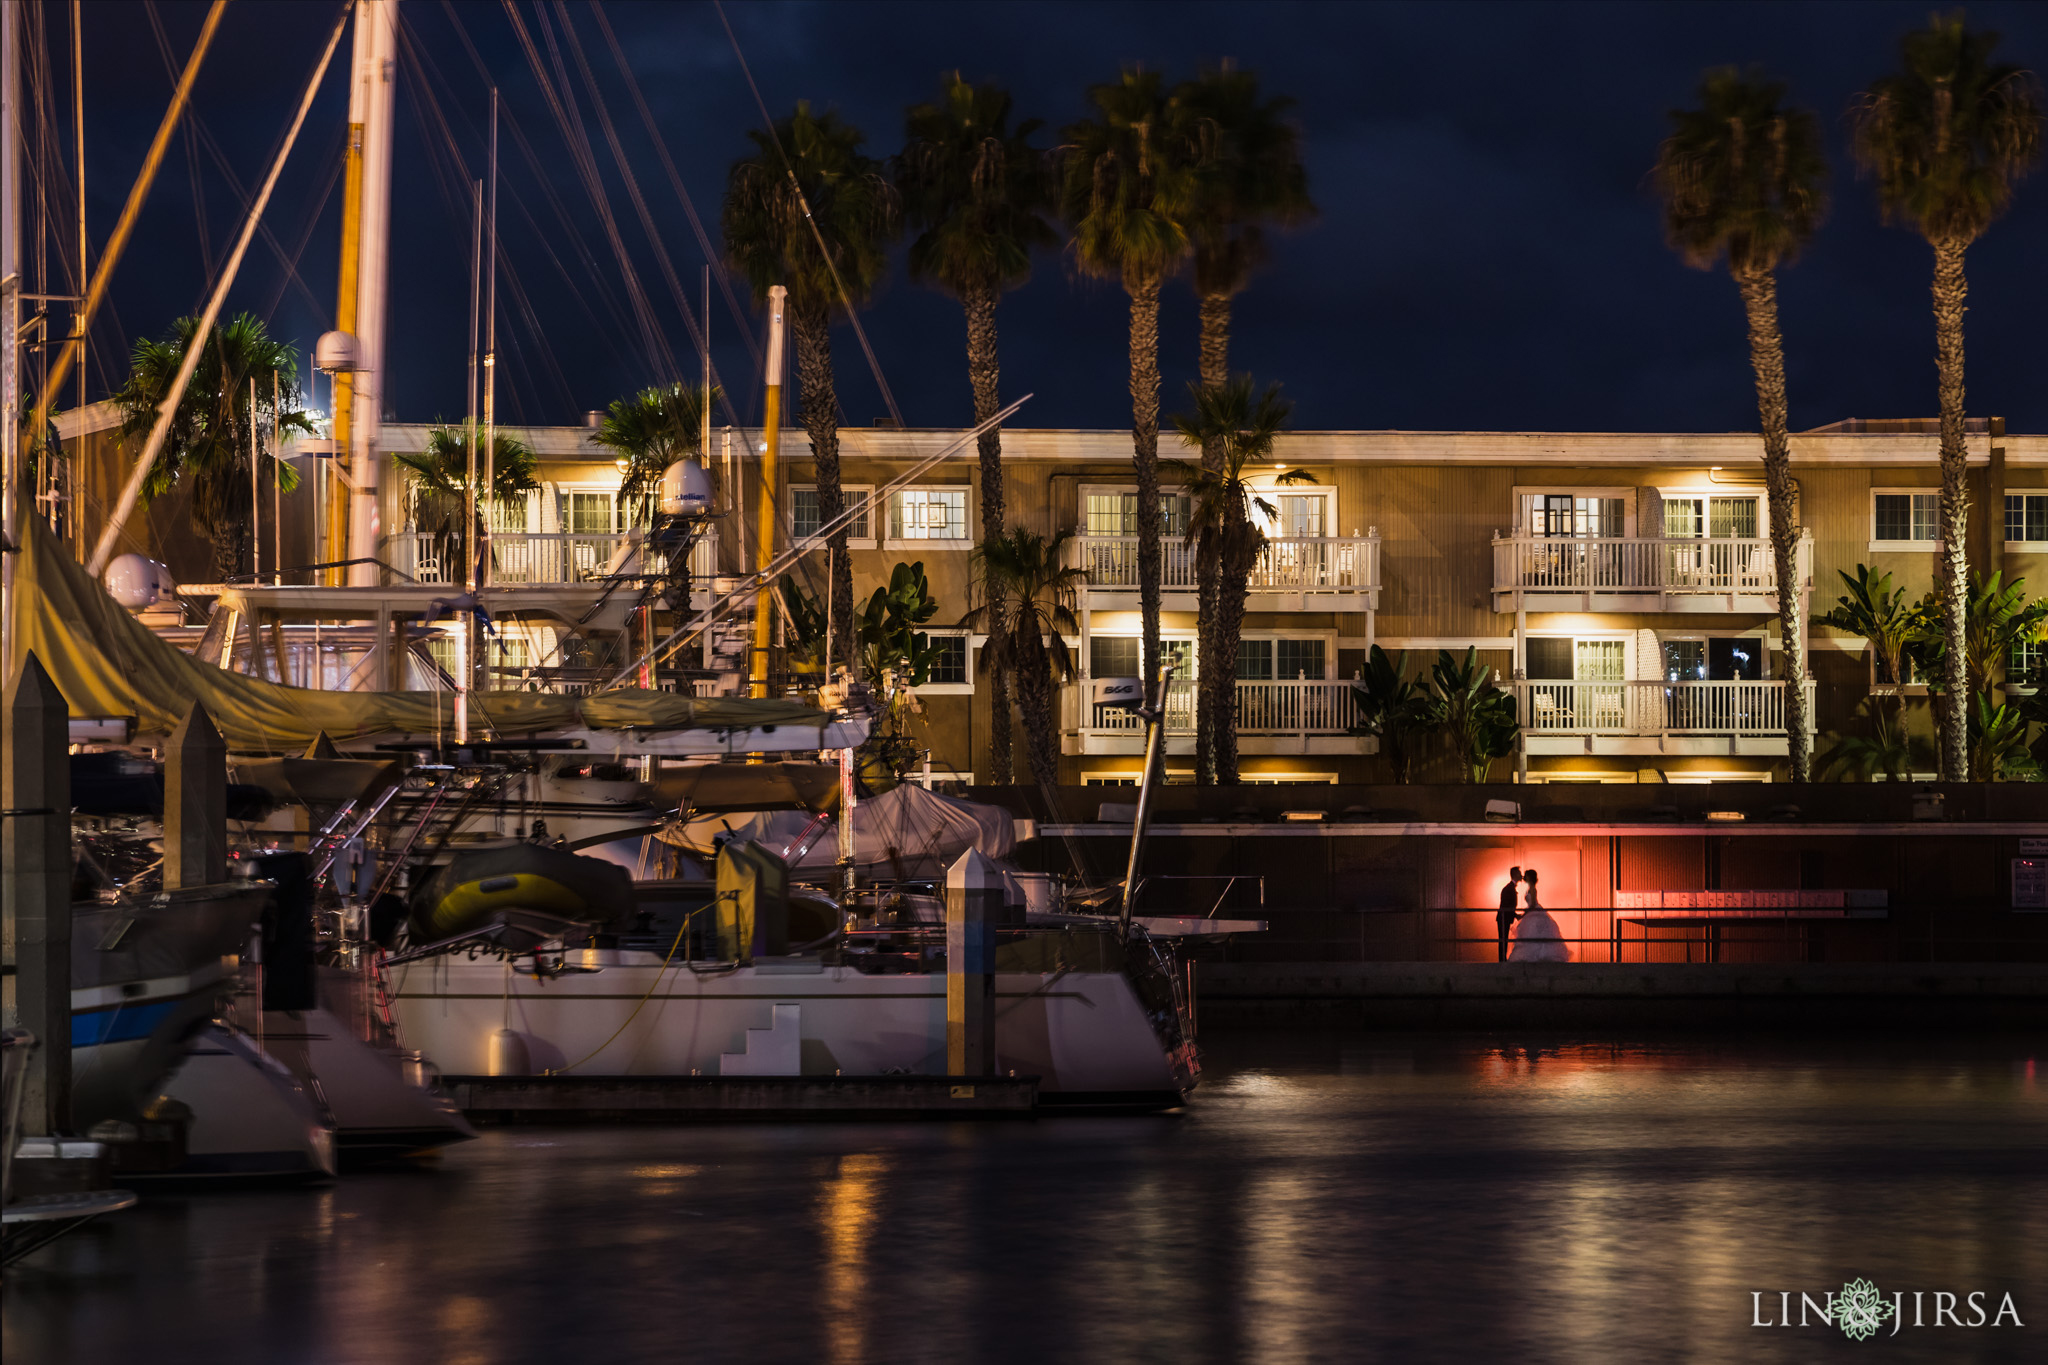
x: 1215, y: 371
x: 1953, y: 570
x: 1034, y: 699
x: 1239, y: 551
x: 980, y: 307
x: 821, y: 419
x: 1767, y: 359
x: 1145, y: 463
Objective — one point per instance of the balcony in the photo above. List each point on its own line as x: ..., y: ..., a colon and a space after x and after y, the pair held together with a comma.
x: 1677, y: 718
x: 1293, y: 573
x: 1615, y: 573
x: 1286, y: 716
x: 526, y: 559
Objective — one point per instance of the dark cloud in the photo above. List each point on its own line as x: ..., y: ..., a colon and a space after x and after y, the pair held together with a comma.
x: 1487, y: 254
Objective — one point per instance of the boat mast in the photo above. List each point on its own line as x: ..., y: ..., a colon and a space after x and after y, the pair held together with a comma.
x: 360, y: 305
x: 13, y: 522
x: 771, y: 450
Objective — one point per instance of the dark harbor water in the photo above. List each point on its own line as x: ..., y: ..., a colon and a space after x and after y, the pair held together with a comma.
x: 1340, y: 1197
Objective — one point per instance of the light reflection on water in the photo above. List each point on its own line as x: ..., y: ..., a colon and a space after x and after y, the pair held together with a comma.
x: 1328, y: 1197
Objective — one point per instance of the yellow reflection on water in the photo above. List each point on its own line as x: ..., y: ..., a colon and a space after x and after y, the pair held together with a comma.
x: 847, y: 1208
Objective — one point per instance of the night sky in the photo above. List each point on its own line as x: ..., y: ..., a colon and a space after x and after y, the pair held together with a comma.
x: 1488, y: 254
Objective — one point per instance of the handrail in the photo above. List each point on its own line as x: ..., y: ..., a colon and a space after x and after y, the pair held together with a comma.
x: 1654, y: 707
x: 1285, y: 563
x: 1642, y: 564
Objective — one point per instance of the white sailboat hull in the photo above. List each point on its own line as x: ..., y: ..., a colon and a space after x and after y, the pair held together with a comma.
x: 251, y: 1118
x: 619, y: 1013
x: 377, y: 1111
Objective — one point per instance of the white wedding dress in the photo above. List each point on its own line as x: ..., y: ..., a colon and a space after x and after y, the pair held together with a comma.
x: 1537, y: 938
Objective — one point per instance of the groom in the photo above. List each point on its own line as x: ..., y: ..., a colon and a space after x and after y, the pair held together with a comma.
x: 1504, y: 918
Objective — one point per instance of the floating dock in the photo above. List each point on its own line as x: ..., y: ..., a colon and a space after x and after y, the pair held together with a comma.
x: 753, y: 1099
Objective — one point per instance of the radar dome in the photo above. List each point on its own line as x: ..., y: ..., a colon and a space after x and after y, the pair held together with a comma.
x: 136, y: 582
x: 686, y: 490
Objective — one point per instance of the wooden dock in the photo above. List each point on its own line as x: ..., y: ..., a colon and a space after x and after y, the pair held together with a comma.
x: 725, y: 1099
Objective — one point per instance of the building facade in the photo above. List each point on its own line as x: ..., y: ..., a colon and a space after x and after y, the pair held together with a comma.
x: 1622, y: 584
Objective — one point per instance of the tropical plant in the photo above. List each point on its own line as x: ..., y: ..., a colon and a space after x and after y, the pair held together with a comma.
x: 1890, y: 624
x: 211, y: 434
x: 1027, y: 582
x: 1996, y: 617
x: 1946, y: 136
x: 977, y: 191
x: 1249, y: 174
x: 1224, y: 524
x: 890, y: 642
x: 651, y: 430
x: 440, y: 482
x: 1391, y: 709
x: 1998, y: 739
x: 803, y: 642
x: 1128, y: 186
x: 808, y: 211
x: 1476, y: 716
x: 1744, y: 179
x: 1886, y: 746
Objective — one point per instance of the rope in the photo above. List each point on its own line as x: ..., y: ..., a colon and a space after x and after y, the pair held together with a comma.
x: 681, y: 929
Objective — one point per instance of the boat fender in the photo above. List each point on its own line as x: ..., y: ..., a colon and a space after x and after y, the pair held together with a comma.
x: 508, y: 1054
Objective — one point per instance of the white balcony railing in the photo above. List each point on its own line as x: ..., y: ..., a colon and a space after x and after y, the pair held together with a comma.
x: 1295, y: 706
x: 1653, y: 708
x: 1615, y: 564
x: 527, y: 558
x: 1293, y: 564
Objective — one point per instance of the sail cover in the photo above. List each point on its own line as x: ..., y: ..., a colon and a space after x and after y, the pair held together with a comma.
x: 905, y: 832
x: 106, y: 663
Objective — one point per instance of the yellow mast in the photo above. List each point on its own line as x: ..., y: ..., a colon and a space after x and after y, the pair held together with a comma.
x: 343, y: 390
x: 771, y: 451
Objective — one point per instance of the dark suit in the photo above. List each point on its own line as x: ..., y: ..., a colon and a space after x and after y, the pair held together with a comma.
x: 1505, y: 917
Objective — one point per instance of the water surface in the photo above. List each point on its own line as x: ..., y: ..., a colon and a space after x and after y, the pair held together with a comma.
x: 1327, y: 1197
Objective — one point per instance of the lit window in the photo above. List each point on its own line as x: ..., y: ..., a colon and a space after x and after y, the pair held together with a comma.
x: 928, y: 514
x: 1906, y: 517
x: 2026, y: 517
x: 1300, y: 658
x: 1116, y: 514
x: 2027, y: 666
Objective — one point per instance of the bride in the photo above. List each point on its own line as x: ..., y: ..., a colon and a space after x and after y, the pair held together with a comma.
x: 1536, y: 934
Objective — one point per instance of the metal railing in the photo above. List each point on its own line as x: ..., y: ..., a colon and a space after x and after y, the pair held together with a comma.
x: 520, y: 558
x: 1653, y: 708
x: 1332, y: 564
x: 1288, y: 706
x: 1624, y: 564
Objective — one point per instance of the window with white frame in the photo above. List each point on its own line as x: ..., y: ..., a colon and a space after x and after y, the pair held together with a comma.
x: 1904, y: 519
x: 1121, y: 656
x: 1707, y: 516
x: 1581, y: 512
x: 1260, y: 660
x: 589, y: 513
x: 805, y: 519
x: 1109, y: 513
x: 2027, y: 666
x: 2026, y: 518
x: 949, y: 666
x: 924, y: 514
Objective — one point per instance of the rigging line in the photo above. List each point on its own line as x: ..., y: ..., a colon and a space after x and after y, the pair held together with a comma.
x: 581, y: 157
x: 197, y: 134
x: 845, y: 300
x: 661, y: 255
x: 740, y: 315
x: 163, y: 44
x: 336, y: 162
x: 422, y: 90
x: 620, y: 324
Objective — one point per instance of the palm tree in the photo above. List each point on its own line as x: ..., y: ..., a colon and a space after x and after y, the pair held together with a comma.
x: 1023, y: 574
x: 1744, y: 179
x: 1476, y: 716
x: 1250, y: 174
x: 1887, y: 619
x: 440, y: 485
x: 1946, y: 136
x: 977, y: 190
x: 1127, y: 188
x: 1227, y: 532
x: 651, y: 430
x: 208, y: 447
x: 809, y: 212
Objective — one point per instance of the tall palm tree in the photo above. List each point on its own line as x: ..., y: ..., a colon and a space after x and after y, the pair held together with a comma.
x: 1027, y: 584
x: 1250, y: 175
x: 808, y: 211
x: 651, y: 430
x: 1128, y: 185
x: 977, y: 190
x: 208, y: 446
x: 1225, y: 523
x: 440, y: 484
x: 1744, y: 179
x: 1946, y: 136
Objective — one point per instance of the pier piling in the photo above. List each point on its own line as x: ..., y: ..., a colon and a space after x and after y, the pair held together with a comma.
x: 35, y: 889
x: 195, y: 803
x: 974, y: 903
